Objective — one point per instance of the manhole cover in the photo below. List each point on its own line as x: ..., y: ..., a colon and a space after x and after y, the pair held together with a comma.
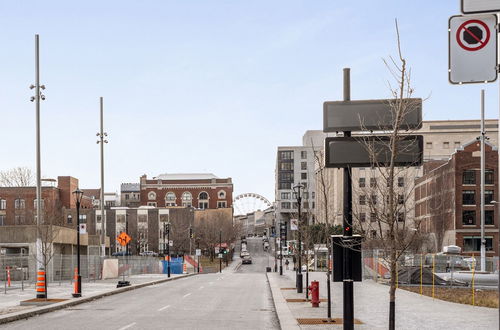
x: 325, y: 321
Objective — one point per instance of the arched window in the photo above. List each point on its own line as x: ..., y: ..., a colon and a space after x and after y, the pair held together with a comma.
x: 187, y: 199
x: 170, y: 199
x: 222, y: 194
x: 203, y: 200
x: 152, y: 195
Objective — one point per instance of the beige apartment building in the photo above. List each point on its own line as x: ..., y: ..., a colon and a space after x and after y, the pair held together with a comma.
x: 441, y: 139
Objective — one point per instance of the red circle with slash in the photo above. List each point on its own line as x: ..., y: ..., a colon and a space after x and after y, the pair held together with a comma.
x: 465, y: 29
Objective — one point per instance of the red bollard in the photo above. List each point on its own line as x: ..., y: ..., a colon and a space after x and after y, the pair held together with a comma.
x: 8, y: 276
x: 314, y: 289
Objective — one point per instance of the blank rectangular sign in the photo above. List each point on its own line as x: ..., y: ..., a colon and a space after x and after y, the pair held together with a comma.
x: 368, y: 151
x: 480, y: 6
x: 370, y: 115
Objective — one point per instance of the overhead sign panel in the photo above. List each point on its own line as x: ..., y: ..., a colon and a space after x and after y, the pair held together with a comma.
x: 472, y: 49
x: 480, y: 6
x: 372, y: 115
x: 367, y: 151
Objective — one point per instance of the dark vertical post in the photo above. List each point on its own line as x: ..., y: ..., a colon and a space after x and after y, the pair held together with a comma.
x: 281, y: 248
x: 168, y: 249
x: 198, y: 247
x: 329, y: 295
x: 220, y: 249
x: 299, y: 272
x: 347, y: 224
x: 79, y: 275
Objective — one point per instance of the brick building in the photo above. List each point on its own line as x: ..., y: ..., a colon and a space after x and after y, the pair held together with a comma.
x: 201, y: 191
x: 448, y: 200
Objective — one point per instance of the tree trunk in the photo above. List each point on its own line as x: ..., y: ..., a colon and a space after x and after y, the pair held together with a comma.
x: 392, y: 292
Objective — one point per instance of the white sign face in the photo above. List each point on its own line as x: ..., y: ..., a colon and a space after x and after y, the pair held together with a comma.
x: 216, y: 249
x: 294, y: 224
x: 198, y: 252
x: 220, y: 256
x: 480, y: 6
x: 472, y: 49
x: 83, y: 228
x: 171, y: 243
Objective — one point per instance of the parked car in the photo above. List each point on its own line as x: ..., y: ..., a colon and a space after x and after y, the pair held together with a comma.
x: 244, y: 254
x: 246, y: 260
x: 148, y: 254
x: 121, y: 254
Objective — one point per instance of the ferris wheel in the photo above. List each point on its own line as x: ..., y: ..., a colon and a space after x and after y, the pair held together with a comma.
x: 249, y: 202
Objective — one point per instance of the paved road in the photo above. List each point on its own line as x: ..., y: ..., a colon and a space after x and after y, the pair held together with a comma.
x: 231, y: 300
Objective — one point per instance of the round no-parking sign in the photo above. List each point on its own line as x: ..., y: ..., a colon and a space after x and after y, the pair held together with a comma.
x: 473, y: 49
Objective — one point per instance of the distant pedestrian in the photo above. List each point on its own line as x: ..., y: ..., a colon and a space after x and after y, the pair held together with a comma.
x: 286, y: 264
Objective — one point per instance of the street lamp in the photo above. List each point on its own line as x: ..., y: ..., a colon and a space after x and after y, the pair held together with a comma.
x: 297, y: 189
x: 167, y: 230
x: 78, y: 197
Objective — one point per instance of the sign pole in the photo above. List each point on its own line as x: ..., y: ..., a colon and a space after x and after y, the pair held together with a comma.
x: 347, y: 221
x: 483, y: 133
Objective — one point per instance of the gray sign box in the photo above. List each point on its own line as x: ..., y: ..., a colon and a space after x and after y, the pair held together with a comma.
x: 372, y: 115
x: 353, y: 151
x: 480, y: 6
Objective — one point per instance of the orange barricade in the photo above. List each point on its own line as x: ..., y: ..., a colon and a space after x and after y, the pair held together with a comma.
x: 8, y: 276
x: 40, y: 284
x: 75, y: 283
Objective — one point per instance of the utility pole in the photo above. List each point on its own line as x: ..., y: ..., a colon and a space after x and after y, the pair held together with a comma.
x: 168, y: 248
x: 298, y: 277
x: 483, y: 136
x: 36, y: 98
x: 347, y: 224
x: 220, y: 248
x: 101, y: 141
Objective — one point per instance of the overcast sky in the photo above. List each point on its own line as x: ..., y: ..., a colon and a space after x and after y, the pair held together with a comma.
x: 206, y: 86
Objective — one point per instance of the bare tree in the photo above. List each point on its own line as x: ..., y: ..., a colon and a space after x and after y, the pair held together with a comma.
x: 17, y: 177
x: 389, y: 194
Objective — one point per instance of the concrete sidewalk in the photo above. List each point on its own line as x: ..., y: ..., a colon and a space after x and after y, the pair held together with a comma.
x: 371, y: 306
x: 10, y: 308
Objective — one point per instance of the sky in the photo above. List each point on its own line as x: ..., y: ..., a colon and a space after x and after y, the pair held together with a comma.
x: 207, y: 86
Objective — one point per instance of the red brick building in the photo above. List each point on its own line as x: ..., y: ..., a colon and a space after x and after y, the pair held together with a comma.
x: 18, y: 204
x: 448, y: 200
x: 202, y: 191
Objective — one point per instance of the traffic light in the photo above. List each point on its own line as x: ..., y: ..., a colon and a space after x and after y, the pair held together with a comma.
x: 191, y: 234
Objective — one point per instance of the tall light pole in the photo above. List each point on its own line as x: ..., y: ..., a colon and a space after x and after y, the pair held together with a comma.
x: 297, y: 189
x: 167, y: 228
x: 483, y: 160
x: 78, y: 197
x: 220, y: 249
x: 38, y: 96
x: 101, y: 141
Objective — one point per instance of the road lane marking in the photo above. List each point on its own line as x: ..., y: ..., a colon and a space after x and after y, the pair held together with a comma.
x: 128, y: 326
x: 186, y: 295
x: 163, y: 308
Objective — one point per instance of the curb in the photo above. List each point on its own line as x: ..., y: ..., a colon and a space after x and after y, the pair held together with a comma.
x: 62, y: 305
x: 285, y: 316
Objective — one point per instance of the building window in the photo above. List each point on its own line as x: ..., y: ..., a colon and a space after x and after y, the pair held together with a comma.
x: 401, y: 199
x: 305, y: 195
x: 469, y: 217
x: 374, y: 199
x: 373, y: 217
x: 19, y: 204
x: 19, y: 219
x: 152, y: 195
x: 203, y: 196
x: 473, y: 243
x: 312, y: 195
x: 286, y: 205
x: 142, y: 218
x: 127, y: 196
x: 69, y: 219
x: 362, y: 182
x: 468, y: 197
x: 120, y: 218
x: 374, y: 234
x: 285, y: 185
x: 83, y: 218
x: 313, y: 205
x: 362, y: 217
x: 305, y: 205
x: 303, y: 176
x: 488, y: 217
x: 303, y: 166
x: 3, y: 204
x: 489, y: 177
x: 457, y: 144
x: 286, y: 166
x: 373, y: 182
x: 187, y: 199
x: 203, y: 205
x: 362, y: 200
x: 2, y: 220
x: 221, y: 204
x: 170, y: 199
x: 446, y: 145
x: 303, y: 154
x: 488, y: 196
x: 401, y: 182
x: 286, y: 155
x: 469, y: 177
x: 401, y: 216
x: 286, y: 176
x: 428, y: 145
x: 152, y: 204
x: 285, y: 195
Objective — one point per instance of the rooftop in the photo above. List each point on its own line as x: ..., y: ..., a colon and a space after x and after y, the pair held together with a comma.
x: 186, y: 176
x: 131, y: 187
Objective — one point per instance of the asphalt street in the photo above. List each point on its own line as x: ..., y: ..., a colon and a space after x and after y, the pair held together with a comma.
x: 238, y: 299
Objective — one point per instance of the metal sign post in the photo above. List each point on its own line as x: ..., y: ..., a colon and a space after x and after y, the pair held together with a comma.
x: 472, y: 49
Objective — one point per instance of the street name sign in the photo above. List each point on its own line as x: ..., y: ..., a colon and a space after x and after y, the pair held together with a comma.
x: 368, y: 151
x: 370, y: 115
x: 479, y: 6
x: 472, y: 41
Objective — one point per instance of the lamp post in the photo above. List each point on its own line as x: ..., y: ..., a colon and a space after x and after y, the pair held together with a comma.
x: 220, y: 248
x: 78, y: 197
x: 167, y: 229
x: 299, y: 284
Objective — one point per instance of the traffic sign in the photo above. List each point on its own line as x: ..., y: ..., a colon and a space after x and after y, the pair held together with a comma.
x: 479, y: 6
x: 472, y: 49
x: 171, y: 243
x: 294, y: 224
x: 371, y: 115
x: 219, y: 256
x: 216, y: 249
x: 198, y: 252
x: 354, y: 151
x: 123, y: 238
